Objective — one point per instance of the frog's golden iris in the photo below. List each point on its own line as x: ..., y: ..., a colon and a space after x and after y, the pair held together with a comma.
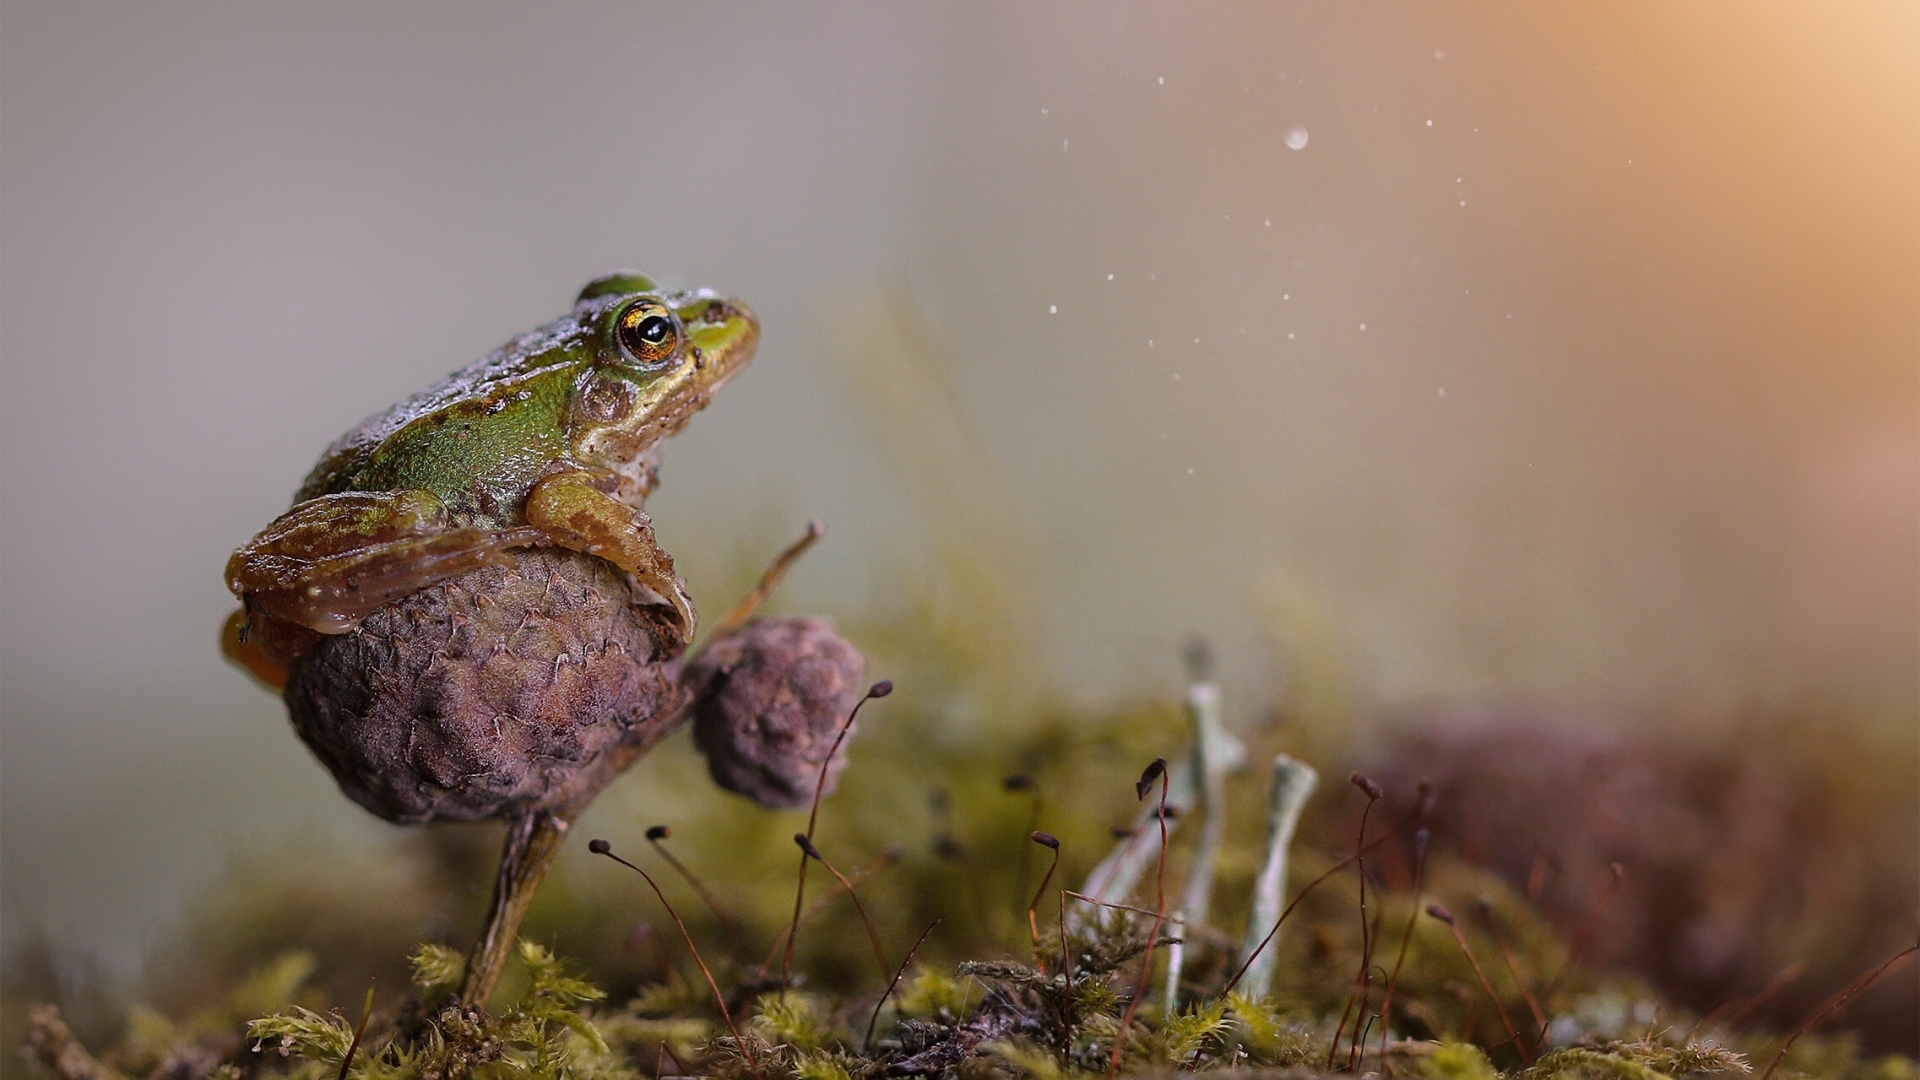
x: 647, y: 333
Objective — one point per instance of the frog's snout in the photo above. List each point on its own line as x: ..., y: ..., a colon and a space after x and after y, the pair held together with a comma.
x: 730, y: 310
x: 739, y: 327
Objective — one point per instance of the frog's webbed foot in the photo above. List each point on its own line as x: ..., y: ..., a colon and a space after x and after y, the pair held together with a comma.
x: 329, y: 562
x: 572, y: 513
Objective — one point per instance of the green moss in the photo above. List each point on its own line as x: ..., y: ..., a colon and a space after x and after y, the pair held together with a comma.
x: 1457, y: 1061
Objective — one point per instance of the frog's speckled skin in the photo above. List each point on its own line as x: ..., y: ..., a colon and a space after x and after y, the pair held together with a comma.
x: 552, y: 440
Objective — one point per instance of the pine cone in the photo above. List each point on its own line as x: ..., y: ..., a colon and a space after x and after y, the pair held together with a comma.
x: 508, y: 690
x: 770, y: 700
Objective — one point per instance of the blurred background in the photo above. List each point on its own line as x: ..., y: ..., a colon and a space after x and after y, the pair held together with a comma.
x: 1494, y: 358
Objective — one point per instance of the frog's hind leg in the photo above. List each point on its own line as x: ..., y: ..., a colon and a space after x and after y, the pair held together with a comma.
x: 329, y: 562
x: 572, y: 513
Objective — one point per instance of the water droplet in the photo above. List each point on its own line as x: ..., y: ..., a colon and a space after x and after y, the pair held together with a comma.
x: 1063, y: 146
x: 1429, y: 123
x: 1269, y: 223
x: 1286, y: 296
x: 1289, y: 336
x: 1189, y: 470
x: 1363, y: 326
x: 1443, y: 391
x: 1109, y: 277
x: 1043, y: 112
x: 1053, y: 309
x: 1297, y: 137
x: 1463, y: 202
x: 1163, y: 80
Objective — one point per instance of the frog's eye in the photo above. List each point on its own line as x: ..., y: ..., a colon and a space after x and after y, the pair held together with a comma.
x: 647, y: 333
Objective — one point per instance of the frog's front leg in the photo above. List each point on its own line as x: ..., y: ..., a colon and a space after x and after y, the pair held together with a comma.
x: 576, y: 514
x: 329, y: 562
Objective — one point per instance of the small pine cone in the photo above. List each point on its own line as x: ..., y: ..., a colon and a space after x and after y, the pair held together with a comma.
x: 771, y: 698
x: 507, y: 690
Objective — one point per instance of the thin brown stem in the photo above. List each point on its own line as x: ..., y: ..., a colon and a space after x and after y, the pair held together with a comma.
x: 793, y: 931
x: 873, y: 935
x: 1033, y: 923
x: 1066, y: 979
x: 1110, y: 905
x: 1302, y: 895
x: 667, y: 1051
x: 1356, y: 1049
x: 1833, y: 1004
x: 1022, y: 783
x: 902, y: 970
x: 532, y: 842
x: 657, y: 833
x: 1420, y: 839
x: 601, y: 847
x: 1346, y: 1011
x: 1372, y: 791
x: 821, y: 903
x: 1513, y: 1033
x: 877, y: 690
x: 1513, y: 971
x: 359, y: 1031
x: 1739, y: 1012
x: 1157, y: 770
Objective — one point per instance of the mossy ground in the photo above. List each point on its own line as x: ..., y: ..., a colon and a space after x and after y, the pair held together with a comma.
x: 270, y: 976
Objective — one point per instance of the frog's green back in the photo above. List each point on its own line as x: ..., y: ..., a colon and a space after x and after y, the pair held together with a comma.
x: 484, y: 431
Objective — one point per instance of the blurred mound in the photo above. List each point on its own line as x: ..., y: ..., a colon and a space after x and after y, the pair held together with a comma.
x: 1762, y: 869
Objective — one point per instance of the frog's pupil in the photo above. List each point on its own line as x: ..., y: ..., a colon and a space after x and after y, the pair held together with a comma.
x: 648, y: 337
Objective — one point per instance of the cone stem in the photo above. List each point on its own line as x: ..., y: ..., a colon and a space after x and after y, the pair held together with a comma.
x: 532, y: 842
x: 739, y: 613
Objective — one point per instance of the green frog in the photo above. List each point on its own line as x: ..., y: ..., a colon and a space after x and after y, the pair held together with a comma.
x: 551, y: 440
